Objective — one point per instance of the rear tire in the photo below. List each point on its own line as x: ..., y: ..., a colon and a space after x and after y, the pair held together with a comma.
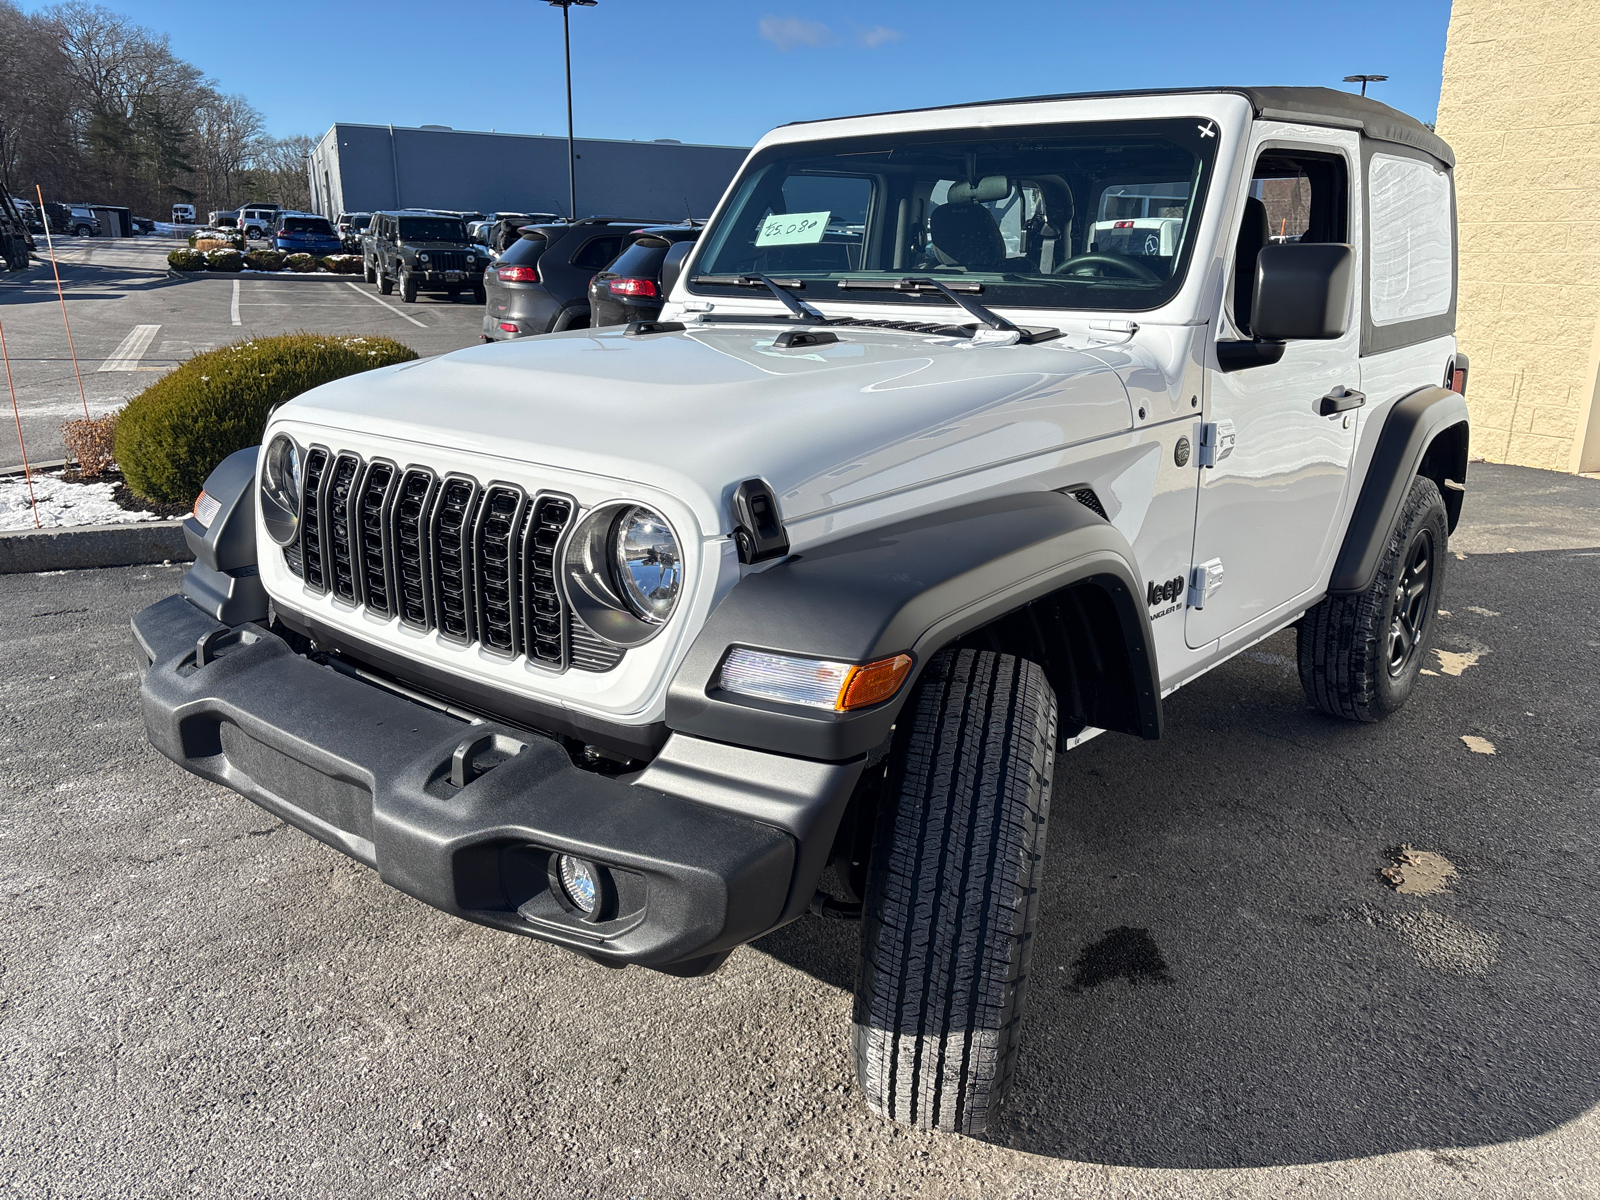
x: 1360, y: 655
x: 479, y: 296
x: 953, y: 893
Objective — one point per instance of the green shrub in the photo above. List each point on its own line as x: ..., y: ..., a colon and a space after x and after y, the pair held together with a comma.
x: 186, y: 260
x: 301, y: 261
x: 224, y: 260
x: 342, y: 264
x: 264, y: 260
x: 171, y: 435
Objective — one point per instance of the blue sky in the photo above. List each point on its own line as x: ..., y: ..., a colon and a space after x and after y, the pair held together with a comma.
x: 725, y: 71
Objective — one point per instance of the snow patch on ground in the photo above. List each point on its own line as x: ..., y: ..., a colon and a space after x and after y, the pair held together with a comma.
x: 61, y: 503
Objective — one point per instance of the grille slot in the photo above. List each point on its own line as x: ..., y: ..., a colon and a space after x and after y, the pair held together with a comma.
x: 408, y: 535
x: 374, y: 559
x: 475, y: 562
x: 546, y: 628
x: 496, y: 547
x: 311, y: 532
x: 334, y: 518
x: 451, y: 546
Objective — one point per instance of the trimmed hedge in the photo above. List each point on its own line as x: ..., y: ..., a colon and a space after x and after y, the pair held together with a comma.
x: 264, y: 260
x: 186, y: 260
x: 171, y: 435
x: 342, y: 264
x: 224, y: 260
x: 215, y: 238
x: 301, y: 261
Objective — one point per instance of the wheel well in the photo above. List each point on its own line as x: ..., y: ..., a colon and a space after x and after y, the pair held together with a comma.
x: 1079, y: 638
x: 1446, y: 459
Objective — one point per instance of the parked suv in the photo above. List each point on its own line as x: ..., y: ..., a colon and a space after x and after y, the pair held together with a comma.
x: 259, y: 220
x: 629, y: 639
x: 541, y: 283
x: 82, y: 221
x: 306, y: 233
x: 423, y: 252
x: 631, y: 288
x: 350, y: 226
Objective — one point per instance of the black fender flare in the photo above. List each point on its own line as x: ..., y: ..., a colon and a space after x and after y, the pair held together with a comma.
x: 913, y: 587
x: 1409, y: 443
x: 568, y: 314
x: 225, y: 580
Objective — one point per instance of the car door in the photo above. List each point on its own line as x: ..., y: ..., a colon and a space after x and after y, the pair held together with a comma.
x: 1268, y: 511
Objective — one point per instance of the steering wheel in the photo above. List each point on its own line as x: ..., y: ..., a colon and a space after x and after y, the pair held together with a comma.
x: 1114, y: 264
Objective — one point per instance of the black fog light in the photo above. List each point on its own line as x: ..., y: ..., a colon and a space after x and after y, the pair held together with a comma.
x: 584, y: 883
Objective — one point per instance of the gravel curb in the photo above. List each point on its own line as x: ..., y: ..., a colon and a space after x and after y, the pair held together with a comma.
x: 78, y: 548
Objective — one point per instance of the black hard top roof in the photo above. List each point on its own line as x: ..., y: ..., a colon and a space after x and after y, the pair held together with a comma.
x: 1307, y: 105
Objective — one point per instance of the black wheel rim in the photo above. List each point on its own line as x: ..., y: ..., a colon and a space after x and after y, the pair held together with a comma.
x: 1413, y: 602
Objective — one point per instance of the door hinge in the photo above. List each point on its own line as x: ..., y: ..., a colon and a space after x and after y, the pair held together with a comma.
x: 1216, y: 442
x: 1204, y: 580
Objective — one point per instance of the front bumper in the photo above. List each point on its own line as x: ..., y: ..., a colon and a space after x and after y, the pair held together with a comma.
x: 708, y: 847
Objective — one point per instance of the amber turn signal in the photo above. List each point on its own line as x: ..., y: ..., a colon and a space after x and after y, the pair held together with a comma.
x: 874, y: 682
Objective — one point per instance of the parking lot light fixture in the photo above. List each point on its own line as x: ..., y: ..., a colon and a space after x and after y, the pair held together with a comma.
x: 566, y: 39
x: 1363, y: 80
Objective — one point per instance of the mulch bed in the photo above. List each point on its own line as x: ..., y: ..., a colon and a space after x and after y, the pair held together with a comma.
x: 124, y: 496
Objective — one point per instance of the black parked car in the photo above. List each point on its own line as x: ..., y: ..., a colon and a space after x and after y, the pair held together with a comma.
x: 631, y: 288
x: 541, y: 284
x: 422, y: 252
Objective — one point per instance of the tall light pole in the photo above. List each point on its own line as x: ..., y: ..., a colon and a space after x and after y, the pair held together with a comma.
x: 566, y: 38
x: 1363, y: 80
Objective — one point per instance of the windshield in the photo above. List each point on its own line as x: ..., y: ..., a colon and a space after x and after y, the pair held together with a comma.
x: 359, y: 221
x: 1016, y: 215
x: 305, y: 225
x: 432, y: 229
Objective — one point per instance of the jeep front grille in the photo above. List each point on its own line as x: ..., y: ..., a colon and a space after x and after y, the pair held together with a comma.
x: 475, y: 562
x: 447, y: 260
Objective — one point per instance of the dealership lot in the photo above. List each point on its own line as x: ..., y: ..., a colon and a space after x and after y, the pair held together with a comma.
x: 132, y: 321
x: 1229, y: 1002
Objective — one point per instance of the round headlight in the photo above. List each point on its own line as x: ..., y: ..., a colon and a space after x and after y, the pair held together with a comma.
x: 280, y: 489
x: 649, y: 567
x: 422, y: 258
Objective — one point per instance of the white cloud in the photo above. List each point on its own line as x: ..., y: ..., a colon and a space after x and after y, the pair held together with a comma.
x: 786, y: 33
x: 877, y: 36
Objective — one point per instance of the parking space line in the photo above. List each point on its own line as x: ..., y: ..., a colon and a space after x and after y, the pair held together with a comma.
x: 386, y: 304
x: 235, y: 312
x: 126, y: 356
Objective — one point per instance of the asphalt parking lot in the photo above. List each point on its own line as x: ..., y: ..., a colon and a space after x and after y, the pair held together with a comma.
x: 132, y: 321
x: 196, y: 999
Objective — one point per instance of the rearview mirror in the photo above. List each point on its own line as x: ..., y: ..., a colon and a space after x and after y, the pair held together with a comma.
x: 1302, y: 291
x: 672, y: 265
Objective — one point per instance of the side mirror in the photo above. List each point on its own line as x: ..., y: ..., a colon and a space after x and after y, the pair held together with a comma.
x: 672, y: 265
x: 1302, y: 291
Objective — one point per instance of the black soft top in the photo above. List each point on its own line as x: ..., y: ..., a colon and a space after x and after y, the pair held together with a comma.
x: 1306, y: 105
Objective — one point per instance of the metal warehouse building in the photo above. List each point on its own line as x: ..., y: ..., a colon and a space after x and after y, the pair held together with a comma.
x: 363, y: 168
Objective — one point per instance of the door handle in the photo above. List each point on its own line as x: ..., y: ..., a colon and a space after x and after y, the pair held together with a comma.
x: 1341, y: 399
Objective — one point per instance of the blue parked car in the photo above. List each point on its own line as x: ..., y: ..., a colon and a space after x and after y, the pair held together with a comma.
x: 299, y: 233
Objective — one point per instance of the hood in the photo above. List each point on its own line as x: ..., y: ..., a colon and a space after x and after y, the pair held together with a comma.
x: 697, y: 412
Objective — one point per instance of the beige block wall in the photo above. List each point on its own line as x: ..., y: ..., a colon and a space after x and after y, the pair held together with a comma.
x: 1520, y: 105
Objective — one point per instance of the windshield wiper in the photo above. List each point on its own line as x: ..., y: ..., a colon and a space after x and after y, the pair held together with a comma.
x: 916, y: 285
x: 780, y: 289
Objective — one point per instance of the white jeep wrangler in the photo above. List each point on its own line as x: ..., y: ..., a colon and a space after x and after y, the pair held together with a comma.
x: 645, y: 641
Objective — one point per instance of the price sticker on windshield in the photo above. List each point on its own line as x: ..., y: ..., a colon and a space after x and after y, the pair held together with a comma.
x: 793, y: 229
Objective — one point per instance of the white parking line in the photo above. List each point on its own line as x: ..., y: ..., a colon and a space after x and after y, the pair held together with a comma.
x: 235, y: 312
x: 386, y: 304
x: 126, y: 356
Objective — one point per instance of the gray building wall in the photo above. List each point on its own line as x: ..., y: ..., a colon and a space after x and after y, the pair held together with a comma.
x: 364, y: 168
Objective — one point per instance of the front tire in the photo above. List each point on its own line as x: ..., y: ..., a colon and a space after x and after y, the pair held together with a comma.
x: 408, y: 288
x: 385, y: 284
x: 1360, y: 655
x: 367, y: 274
x: 953, y: 893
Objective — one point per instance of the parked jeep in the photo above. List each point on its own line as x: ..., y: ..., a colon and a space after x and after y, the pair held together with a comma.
x: 422, y: 252
x: 645, y: 641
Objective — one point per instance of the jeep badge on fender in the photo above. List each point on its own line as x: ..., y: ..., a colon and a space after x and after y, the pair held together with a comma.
x: 628, y: 639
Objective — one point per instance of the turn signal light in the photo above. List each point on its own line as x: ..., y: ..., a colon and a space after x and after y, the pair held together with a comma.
x: 633, y: 287
x: 815, y: 683
x: 206, y: 509
x: 517, y: 274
